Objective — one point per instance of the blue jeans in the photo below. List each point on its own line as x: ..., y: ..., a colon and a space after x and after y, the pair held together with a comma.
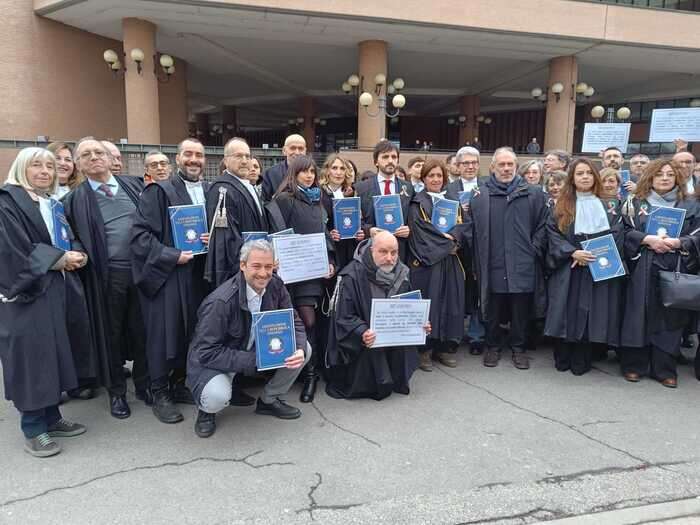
x: 475, y: 330
x: 35, y: 422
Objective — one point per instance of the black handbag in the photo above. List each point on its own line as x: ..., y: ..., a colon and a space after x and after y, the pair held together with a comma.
x: 679, y: 290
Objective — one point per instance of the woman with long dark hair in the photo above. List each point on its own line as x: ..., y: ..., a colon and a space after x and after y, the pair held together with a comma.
x: 651, y: 333
x: 297, y: 205
x: 581, y: 314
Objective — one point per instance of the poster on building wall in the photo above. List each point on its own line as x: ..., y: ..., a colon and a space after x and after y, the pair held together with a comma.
x: 600, y: 135
x: 668, y: 125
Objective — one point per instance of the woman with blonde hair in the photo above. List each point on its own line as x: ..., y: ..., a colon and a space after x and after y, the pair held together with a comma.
x: 35, y: 348
x: 68, y: 176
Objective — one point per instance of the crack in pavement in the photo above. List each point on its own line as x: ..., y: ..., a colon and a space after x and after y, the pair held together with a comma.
x: 244, y: 460
x: 610, y: 470
x: 339, y: 427
x: 313, y: 504
x: 539, y: 513
x: 573, y: 428
x: 602, y: 422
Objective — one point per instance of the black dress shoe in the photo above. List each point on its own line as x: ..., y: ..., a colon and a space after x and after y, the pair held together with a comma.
x: 277, y: 408
x: 240, y: 399
x: 205, y: 425
x: 164, y: 408
x: 84, y: 393
x: 146, y: 396
x: 181, y: 394
x: 119, y: 408
x: 308, y: 391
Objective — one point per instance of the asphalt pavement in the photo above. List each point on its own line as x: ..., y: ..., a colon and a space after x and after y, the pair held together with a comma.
x: 469, y: 445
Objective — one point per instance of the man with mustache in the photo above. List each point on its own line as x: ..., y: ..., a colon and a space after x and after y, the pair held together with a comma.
x: 101, y: 212
x: 386, y: 159
x: 240, y: 205
x: 170, y: 281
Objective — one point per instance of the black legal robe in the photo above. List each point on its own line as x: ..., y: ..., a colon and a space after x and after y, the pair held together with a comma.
x: 37, y: 362
x: 436, y: 269
x: 242, y: 214
x: 170, y: 293
x: 644, y: 314
x: 580, y: 309
x: 84, y: 216
x: 355, y: 370
x: 369, y: 188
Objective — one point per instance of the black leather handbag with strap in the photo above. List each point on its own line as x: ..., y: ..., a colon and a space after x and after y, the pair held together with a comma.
x: 679, y: 290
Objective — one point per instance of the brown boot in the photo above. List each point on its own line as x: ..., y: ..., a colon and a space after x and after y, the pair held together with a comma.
x: 425, y: 363
x: 447, y: 359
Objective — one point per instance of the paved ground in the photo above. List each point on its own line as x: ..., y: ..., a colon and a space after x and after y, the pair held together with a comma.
x: 469, y: 445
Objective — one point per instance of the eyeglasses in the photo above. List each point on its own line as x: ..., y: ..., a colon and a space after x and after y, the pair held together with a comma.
x: 89, y: 153
x: 468, y: 163
x: 240, y: 156
x: 156, y: 165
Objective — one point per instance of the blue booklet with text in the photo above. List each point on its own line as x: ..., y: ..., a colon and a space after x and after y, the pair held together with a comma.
x: 275, y: 339
x: 608, y: 263
x: 445, y: 214
x: 665, y: 221
x: 388, y: 214
x: 414, y: 294
x: 188, y: 223
x: 624, y: 178
x: 61, y: 229
x: 465, y: 197
x: 346, y: 216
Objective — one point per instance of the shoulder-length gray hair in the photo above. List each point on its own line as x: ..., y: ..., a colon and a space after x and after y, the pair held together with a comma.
x: 18, y: 171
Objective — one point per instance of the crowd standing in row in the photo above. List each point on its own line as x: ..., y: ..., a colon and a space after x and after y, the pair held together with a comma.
x: 512, y: 267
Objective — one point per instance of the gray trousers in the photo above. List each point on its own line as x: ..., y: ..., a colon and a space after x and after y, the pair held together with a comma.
x: 216, y: 394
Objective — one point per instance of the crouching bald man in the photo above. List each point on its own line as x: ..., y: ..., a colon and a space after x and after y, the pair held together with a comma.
x: 223, y: 344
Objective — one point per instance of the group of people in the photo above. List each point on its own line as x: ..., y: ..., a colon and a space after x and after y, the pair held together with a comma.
x: 92, y: 277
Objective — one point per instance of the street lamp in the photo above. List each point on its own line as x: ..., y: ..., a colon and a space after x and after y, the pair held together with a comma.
x: 354, y: 85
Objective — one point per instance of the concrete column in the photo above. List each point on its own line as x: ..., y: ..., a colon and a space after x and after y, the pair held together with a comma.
x: 229, y: 118
x: 309, y: 129
x: 142, y: 108
x: 202, y: 122
x: 372, y: 60
x: 559, y: 123
x: 469, y: 107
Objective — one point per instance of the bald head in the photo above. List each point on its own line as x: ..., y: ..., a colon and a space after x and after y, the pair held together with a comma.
x: 294, y: 146
x: 385, y: 251
x: 686, y: 161
x: 115, y: 156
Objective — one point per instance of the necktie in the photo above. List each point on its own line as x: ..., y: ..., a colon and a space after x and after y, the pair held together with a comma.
x: 106, y: 190
x: 387, y: 186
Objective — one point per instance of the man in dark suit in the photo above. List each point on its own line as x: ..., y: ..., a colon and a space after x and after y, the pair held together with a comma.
x: 386, y: 159
x: 294, y: 146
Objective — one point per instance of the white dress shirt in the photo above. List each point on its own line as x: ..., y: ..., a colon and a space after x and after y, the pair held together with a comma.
x: 392, y: 187
x: 195, y: 190
x: 469, y: 185
x: 254, y: 304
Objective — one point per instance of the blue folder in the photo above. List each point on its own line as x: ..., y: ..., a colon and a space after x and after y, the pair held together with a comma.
x: 624, y: 178
x: 465, y: 197
x: 346, y: 216
x: 445, y: 214
x: 608, y: 263
x: 61, y: 229
x: 188, y: 223
x: 665, y: 221
x: 388, y: 214
x: 275, y: 339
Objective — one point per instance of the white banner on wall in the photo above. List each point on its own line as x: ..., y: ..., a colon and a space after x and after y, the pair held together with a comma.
x: 600, y: 135
x: 668, y: 125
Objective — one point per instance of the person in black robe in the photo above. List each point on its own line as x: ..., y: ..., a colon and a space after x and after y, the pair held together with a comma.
x: 356, y: 369
x: 170, y: 282
x: 467, y: 161
x: 294, y: 146
x: 506, y: 233
x: 651, y: 333
x: 35, y: 351
x: 297, y: 205
x: 233, y: 207
x: 582, y: 315
x: 436, y: 269
x: 100, y: 211
x: 385, y: 182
